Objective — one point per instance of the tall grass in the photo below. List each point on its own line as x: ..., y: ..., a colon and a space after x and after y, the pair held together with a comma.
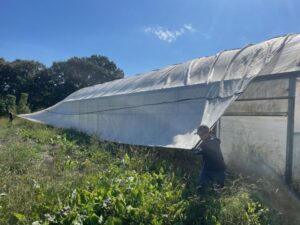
x: 56, y: 176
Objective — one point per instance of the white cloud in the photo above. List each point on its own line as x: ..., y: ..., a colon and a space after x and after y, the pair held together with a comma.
x: 189, y: 27
x: 168, y: 35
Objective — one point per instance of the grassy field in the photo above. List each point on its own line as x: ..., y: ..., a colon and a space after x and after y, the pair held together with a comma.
x: 56, y: 176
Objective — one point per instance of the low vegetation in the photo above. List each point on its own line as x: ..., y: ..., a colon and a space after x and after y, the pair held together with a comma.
x: 56, y: 176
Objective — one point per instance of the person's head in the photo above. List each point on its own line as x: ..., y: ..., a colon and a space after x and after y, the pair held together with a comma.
x: 203, y: 132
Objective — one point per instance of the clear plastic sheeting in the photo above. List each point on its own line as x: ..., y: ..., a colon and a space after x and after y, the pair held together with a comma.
x: 259, y: 140
x: 263, y: 89
x: 164, y: 107
x: 274, y: 107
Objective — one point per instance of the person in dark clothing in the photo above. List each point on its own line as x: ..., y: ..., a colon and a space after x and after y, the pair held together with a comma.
x: 10, y: 117
x: 213, y: 170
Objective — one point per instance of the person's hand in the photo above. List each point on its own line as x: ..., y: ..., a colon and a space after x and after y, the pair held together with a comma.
x: 196, y: 151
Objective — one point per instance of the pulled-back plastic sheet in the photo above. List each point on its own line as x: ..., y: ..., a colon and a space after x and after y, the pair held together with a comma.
x: 164, y: 107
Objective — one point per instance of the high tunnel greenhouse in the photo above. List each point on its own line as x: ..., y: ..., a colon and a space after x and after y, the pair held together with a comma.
x: 251, y: 93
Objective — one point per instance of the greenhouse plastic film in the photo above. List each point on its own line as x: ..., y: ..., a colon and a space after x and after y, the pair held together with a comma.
x: 164, y: 107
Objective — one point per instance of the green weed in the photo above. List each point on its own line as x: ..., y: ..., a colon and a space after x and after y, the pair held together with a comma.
x: 56, y: 176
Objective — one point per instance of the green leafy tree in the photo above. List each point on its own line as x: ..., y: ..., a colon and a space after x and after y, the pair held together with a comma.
x: 77, y: 73
x: 55, y: 83
x: 43, y: 91
x: 2, y: 107
x: 11, y: 103
x: 22, y: 104
x: 2, y: 61
x: 47, y: 86
x: 17, y: 76
x: 4, y: 77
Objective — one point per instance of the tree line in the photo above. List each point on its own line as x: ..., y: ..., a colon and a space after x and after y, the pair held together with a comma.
x: 27, y: 85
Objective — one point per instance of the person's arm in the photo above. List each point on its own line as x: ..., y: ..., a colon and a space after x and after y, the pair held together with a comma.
x: 197, y: 150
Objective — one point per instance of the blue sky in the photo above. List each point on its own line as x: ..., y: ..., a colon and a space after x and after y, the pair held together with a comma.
x: 139, y: 35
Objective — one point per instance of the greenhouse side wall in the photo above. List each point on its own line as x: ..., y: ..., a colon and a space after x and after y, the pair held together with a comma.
x: 253, y: 130
x: 255, y: 143
x: 296, y: 152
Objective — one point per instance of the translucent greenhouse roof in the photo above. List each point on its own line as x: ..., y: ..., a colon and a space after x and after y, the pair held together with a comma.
x: 165, y: 107
x: 277, y: 55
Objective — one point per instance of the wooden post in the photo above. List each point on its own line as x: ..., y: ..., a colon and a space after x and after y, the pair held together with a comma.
x: 290, y: 131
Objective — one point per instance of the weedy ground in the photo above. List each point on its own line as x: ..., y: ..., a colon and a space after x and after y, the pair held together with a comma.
x: 57, y: 176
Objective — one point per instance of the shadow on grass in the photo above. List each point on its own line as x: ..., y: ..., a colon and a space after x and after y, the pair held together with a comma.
x: 76, y: 136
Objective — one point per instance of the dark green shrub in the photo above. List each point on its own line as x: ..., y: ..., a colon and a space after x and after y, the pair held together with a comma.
x: 2, y: 107
x: 22, y: 104
x: 11, y: 103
